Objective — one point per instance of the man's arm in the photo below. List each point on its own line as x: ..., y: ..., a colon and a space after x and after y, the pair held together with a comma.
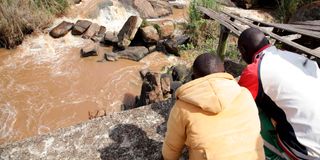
x: 175, y: 136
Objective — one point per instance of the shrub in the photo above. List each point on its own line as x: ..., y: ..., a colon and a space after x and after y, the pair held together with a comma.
x: 21, y: 17
x: 286, y: 8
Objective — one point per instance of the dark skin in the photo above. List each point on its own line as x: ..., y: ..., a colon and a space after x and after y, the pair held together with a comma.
x: 249, y: 42
x: 206, y: 64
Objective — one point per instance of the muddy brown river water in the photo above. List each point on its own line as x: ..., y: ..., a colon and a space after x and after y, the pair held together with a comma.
x: 45, y: 85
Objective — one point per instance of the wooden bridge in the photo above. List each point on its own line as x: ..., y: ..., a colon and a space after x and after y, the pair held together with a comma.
x: 303, y: 37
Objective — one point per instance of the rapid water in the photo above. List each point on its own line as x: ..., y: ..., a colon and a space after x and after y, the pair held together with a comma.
x: 45, y: 85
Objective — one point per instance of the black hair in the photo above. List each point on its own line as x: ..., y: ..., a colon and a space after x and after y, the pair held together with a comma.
x: 249, y: 42
x: 206, y: 64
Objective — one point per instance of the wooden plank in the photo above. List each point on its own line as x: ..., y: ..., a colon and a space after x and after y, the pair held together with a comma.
x: 290, y: 28
x: 277, y: 37
x: 306, y: 27
x: 220, y: 19
x: 312, y: 23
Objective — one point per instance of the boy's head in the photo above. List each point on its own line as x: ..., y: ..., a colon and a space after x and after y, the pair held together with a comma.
x: 249, y: 42
x: 206, y: 64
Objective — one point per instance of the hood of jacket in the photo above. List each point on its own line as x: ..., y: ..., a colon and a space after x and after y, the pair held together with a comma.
x: 212, y: 93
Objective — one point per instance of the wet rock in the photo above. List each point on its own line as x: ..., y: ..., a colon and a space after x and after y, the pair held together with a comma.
x: 110, y: 38
x: 135, y: 53
x: 128, y: 31
x: 151, y: 90
x: 179, y: 73
x: 150, y: 34
x: 145, y: 9
x: 172, y: 45
x: 80, y: 27
x: 144, y: 72
x: 307, y: 12
x: 76, y: 1
x: 91, y: 31
x: 111, y: 56
x: 91, y: 50
x: 161, y: 7
x: 61, y: 30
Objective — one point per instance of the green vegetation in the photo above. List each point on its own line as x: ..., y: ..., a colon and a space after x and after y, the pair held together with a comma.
x: 204, y: 34
x: 286, y: 8
x: 21, y: 17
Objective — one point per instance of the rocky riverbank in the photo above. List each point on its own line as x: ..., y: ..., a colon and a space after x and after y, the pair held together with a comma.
x: 132, y: 134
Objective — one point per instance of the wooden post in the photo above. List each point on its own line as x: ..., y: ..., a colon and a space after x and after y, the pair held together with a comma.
x: 224, y: 33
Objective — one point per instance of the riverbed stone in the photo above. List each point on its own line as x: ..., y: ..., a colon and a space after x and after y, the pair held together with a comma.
x: 91, y: 31
x: 61, y: 30
x: 150, y: 34
x: 88, y: 51
x: 128, y: 31
x: 133, y: 134
x: 135, y: 53
x: 165, y: 28
x: 111, y: 56
x: 80, y: 27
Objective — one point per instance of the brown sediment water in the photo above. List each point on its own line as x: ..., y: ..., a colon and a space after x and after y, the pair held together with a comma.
x: 45, y: 85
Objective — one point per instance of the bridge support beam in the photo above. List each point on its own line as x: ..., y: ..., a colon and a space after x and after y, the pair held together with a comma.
x: 223, y: 39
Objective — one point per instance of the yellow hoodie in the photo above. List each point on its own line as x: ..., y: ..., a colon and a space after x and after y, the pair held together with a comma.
x: 216, y: 119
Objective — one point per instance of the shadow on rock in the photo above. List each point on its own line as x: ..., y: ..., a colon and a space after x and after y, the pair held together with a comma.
x: 130, y: 142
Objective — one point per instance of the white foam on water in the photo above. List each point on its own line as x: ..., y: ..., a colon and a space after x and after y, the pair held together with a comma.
x: 7, y: 120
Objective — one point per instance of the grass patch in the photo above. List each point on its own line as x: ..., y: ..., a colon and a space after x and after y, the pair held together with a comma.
x: 21, y: 17
x: 204, y: 34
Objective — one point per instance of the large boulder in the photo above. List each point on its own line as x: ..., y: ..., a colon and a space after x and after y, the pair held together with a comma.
x: 165, y: 28
x: 145, y: 9
x: 128, y: 31
x: 80, y: 27
x: 308, y: 12
x: 161, y: 7
x: 91, y: 31
x: 150, y: 34
x: 62, y: 29
x: 135, y: 53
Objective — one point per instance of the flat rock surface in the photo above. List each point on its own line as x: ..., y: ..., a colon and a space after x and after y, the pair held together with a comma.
x: 132, y: 134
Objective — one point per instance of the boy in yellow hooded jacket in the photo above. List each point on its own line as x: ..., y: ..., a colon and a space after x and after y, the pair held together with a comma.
x: 213, y: 116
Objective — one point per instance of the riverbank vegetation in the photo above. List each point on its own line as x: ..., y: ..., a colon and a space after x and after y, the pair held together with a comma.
x: 204, y: 34
x: 21, y: 17
x: 286, y: 8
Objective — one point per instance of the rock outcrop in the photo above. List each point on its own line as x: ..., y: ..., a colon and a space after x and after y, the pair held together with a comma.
x: 133, y: 134
x: 61, y: 30
x: 128, y: 31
